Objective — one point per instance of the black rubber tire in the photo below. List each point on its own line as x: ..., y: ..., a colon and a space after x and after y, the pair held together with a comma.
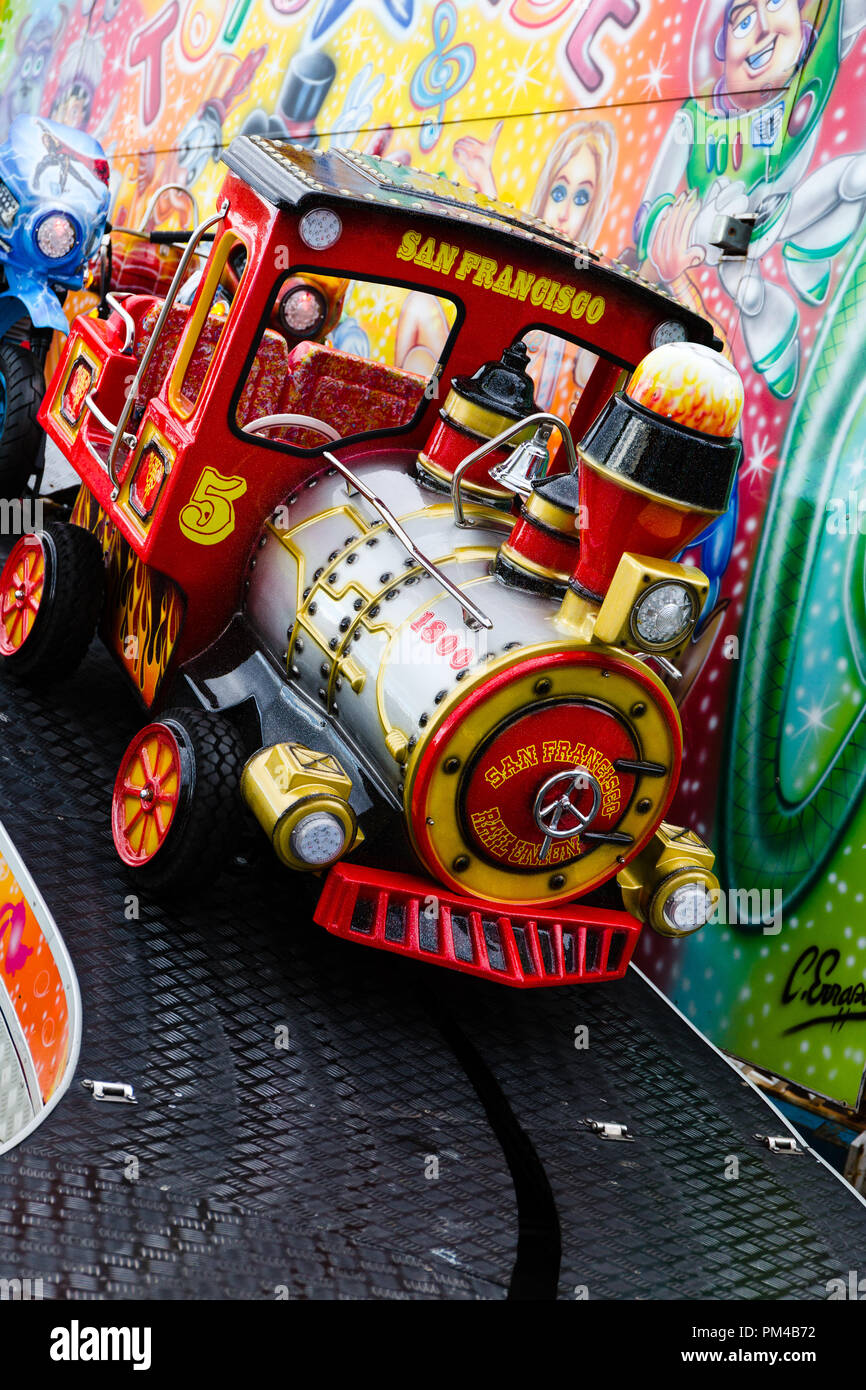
x: 21, y: 437
x: 70, y: 608
x: 199, y: 841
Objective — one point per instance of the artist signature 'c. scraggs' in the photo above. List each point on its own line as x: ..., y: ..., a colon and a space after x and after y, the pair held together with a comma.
x: 809, y: 983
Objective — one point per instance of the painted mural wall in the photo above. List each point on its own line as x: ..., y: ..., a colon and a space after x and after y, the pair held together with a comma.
x: 635, y: 124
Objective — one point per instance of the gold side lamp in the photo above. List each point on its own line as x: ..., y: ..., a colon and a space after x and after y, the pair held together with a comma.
x: 301, y: 800
x: 670, y: 884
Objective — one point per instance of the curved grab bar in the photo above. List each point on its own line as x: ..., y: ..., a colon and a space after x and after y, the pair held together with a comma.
x: 167, y: 303
x: 541, y: 417
x: 128, y: 321
x: 472, y: 615
x: 148, y: 211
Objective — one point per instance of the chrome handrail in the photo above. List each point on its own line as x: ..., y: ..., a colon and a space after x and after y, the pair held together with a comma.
x: 265, y: 422
x: 128, y: 439
x: 541, y: 417
x: 128, y: 320
x: 168, y: 302
x: 91, y: 449
x: 472, y: 615
x: 163, y: 188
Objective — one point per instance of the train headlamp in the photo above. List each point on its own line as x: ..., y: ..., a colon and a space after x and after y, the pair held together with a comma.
x: 300, y: 797
x: 687, y: 908
x: 671, y: 331
x: 318, y: 839
x: 663, y: 616
x: 651, y: 605
x: 302, y: 311
x: 671, y: 884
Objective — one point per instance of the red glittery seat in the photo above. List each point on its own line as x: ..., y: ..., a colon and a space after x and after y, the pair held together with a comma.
x: 266, y: 378
x: 350, y: 393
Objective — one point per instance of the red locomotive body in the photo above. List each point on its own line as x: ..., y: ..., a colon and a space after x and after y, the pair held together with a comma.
x: 439, y: 659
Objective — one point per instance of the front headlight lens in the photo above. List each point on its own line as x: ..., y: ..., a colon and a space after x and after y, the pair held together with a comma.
x: 302, y: 311
x: 663, y: 615
x: 688, y: 908
x: 56, y: 235
x: 318, y: 839
x: 668, y: 332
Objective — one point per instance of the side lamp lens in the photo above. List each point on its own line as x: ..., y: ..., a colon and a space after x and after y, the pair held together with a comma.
x: 663, y: 615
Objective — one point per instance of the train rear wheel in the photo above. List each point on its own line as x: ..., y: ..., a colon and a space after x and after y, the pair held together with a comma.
x: 51, y: 593
x: 22, y: 386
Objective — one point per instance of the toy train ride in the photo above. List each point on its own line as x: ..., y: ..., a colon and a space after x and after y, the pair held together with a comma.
x: 404, y: 632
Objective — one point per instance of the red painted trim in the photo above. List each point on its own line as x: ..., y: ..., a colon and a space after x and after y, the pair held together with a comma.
x: 545, y: 664
x: 593, y: 931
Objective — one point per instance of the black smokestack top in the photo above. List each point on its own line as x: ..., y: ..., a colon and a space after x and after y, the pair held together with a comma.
x: 662, y: 457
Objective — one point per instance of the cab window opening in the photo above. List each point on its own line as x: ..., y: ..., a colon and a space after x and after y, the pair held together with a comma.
x: 571, y: 378
x: 358, y: 353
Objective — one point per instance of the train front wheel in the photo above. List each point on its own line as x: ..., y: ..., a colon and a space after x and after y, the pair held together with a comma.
x: 176, y: 803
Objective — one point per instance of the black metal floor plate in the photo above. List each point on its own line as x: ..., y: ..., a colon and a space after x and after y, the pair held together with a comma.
x: 419, y: 1136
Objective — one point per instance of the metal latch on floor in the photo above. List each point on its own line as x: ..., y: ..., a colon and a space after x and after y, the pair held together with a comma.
x: 119, y: 1091
x: 607, y: 1129
x: 779, y: 1143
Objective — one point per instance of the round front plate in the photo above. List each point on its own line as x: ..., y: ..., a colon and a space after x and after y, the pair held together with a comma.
x: 502, y: 785
x: 473, y: 784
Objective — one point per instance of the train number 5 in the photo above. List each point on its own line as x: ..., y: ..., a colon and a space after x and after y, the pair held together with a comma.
x: 209, y: 515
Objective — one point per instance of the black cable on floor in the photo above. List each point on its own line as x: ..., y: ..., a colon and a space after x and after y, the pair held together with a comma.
x: 535, y: 1275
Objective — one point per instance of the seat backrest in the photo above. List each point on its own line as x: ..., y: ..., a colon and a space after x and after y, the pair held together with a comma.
x: 353, y: 394
x: 157, y: 367
x: 266, y: 378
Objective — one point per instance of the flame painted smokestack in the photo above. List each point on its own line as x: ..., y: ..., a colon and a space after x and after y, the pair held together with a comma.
x: 659, y: 461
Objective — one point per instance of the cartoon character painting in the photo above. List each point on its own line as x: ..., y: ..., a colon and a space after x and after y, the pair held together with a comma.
x: 202, y: 138
x: 65, y: 160
x: 743, y: 151
x: 35, y: 43
x: 571, y: 194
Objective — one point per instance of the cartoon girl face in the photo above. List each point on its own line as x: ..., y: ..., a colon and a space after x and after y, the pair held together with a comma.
x: 571, y: 194
x: 763, y: 42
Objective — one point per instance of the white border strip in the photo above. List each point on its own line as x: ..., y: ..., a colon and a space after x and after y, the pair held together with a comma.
x: 67, y: 974
x: 747, y: 1082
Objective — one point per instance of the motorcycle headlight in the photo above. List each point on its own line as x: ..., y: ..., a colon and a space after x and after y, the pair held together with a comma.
x: 302, y: 311
x: 9, y: 205
x: 56, y: 235
x: 663, y: 615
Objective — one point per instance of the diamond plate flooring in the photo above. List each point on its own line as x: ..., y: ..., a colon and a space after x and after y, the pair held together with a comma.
x: 317, y: 1120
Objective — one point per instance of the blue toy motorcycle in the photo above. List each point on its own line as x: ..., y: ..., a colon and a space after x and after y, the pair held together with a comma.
x: 54, y: 200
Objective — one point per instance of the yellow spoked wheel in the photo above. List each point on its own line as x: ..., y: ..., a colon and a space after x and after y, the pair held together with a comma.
x: 51, y: 594
x: 146, y: 794
x: 22, y: 584
x: 176, y: 807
